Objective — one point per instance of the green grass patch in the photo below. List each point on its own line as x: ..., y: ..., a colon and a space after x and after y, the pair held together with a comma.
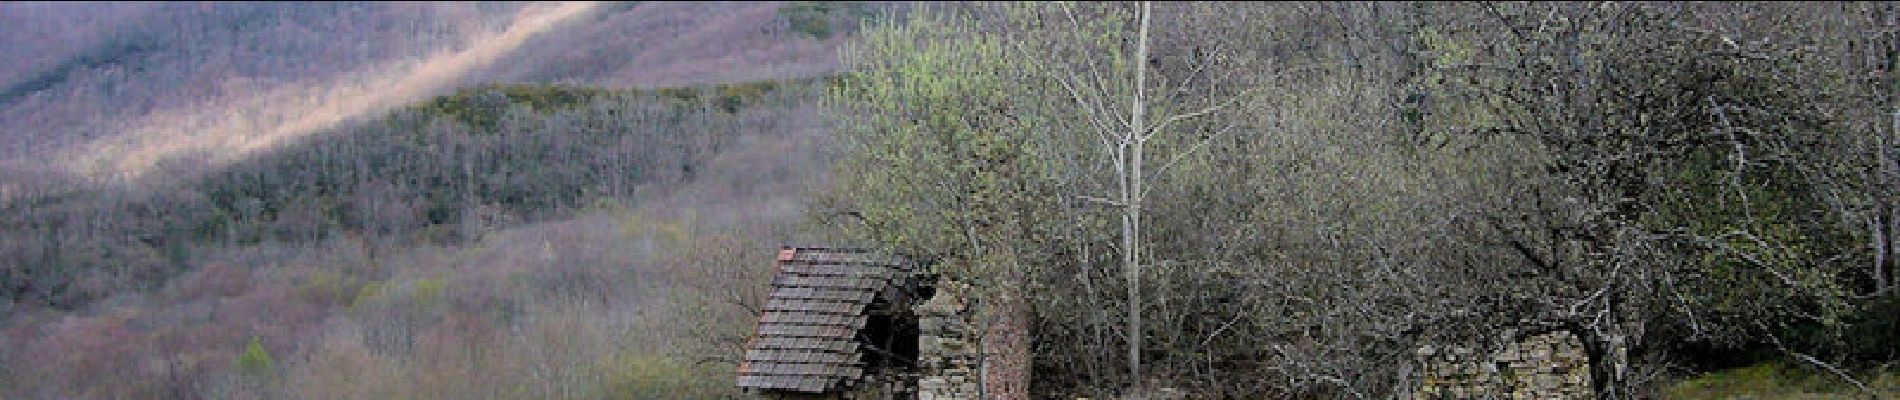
x: 1779, y: 380
x: 638, y: 376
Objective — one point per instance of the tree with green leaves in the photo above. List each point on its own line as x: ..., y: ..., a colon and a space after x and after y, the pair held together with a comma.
x: 1037, y: 132
x: 935, y: 162
x: 256, y: 362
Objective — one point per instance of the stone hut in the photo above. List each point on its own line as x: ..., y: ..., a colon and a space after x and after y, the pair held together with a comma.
x: 846, y: 323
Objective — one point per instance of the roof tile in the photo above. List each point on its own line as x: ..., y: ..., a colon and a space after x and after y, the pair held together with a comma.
x: 805, y: 340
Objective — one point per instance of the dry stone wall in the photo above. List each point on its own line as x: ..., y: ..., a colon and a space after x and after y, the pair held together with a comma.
x: 1549, y: 366
x: 948, y: 346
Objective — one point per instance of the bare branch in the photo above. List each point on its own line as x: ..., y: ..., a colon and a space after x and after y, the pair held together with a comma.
x: 1093, y: 115
x: 1178, y: 157
x: 1101, y: 84
x: 1101, y: 200
x: 1204, y: 111
x: 1871, y: 394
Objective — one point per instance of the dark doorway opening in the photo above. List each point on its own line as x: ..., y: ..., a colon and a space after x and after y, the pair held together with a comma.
x: 891, y: 341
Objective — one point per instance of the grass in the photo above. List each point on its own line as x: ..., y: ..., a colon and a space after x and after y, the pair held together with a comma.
x: 1776, y: 380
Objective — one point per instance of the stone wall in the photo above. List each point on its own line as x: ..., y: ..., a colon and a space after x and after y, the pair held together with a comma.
x: 948, y: 346
x: 883, y: 386
x: 777, y: 395
x: 1548, y: 366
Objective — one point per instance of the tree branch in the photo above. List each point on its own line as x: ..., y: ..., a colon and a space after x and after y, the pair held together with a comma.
x: 1101, y: 84
x: 1871, y: 394
x: 1191, y: 150
x: 1101, y: 200
x: 1204, y: 111
x: 1092, y: 113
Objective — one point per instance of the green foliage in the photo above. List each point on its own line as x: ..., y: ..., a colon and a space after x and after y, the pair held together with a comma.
x: 731, y: 97
x: 938, y: 158
x: 368, y: 293
x: 631, y: 376
x: 328, y: 286
x: 1870, y: 333
x: 426, y: 294
x: 482, y: 107
x: 727, y: 97
x: 255, y: 362
x: 820, y: 19
x: 1757, y: 221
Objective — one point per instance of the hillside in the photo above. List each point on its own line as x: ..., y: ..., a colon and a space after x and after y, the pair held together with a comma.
x: 257, y: 200
x: 112, y: 98
x: 441, y: 171
x: 518, y: 201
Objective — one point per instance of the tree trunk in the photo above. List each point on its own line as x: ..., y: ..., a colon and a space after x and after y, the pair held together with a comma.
x: 1006, y: 346
x: 1607, y: 360
x: 1131, y: 200
x: 1885, y: 151
x: 1893, y: 250
x: 1606, y: 344
x: 1892, y: 165
x: 1878, y: 230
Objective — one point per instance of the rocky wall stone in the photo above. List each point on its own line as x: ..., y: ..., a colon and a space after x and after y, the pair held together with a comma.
x: 1548, y: 366
x: 948, y: 346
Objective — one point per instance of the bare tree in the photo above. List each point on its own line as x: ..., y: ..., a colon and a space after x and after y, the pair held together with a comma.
x: 1084, y: 59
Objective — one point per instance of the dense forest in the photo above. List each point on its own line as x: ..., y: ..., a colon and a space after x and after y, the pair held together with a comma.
x: 1288, y: 199
x: 582, y: 200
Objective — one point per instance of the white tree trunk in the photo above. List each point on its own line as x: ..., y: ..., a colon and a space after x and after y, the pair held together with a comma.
x: 1131, y: 198
x: 1892, y: 238
x: 1893, y: 251
x: 1877, y: 230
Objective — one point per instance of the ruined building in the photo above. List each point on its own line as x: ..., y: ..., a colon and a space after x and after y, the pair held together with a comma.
x: 851, y: 324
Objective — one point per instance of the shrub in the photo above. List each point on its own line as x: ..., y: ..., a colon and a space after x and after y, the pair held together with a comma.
x: 645, y: 376
x: 256, y: 363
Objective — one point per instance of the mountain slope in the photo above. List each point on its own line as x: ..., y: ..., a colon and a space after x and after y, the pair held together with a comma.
x: 217, y: 80
x: 396, y: 200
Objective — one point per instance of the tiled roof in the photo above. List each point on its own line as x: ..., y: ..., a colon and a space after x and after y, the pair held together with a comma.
x: 805, y: 337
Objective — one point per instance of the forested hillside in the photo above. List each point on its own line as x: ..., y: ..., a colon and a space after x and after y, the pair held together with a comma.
x: 113, y: 88
x: 397, y: 200
x: 447, y: 226
x: 438, y: 172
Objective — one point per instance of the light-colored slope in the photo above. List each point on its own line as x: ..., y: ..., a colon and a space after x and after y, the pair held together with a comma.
x: 223, y: 131
x: 670, y: 43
